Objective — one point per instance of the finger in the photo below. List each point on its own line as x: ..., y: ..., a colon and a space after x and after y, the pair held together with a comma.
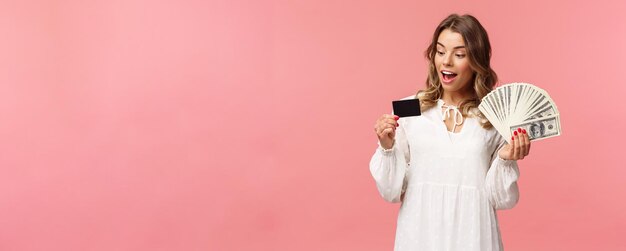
x: 515, y: 146
x: 377, y: 124
x: 389, y: 132
x: 512, y: 148
x: 380, y: 133
x: 522, y: 143
x: 381, y: 118
x: 384, y: 129
x: 392, y: 122
x: 384, y: 118
x: 380, y: 128
x: 527, y: 140
x: 390, y: 116
x: 519, y: 151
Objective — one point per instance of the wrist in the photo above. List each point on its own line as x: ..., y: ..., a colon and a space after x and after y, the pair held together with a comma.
x: 387, y: 146
x: 504, y: 157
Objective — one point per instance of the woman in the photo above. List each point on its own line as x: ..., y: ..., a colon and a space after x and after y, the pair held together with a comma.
x: 537, y: 130
x: 449, y: 167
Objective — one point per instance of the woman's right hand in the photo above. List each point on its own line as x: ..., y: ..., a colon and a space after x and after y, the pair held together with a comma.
x: 385, y: 129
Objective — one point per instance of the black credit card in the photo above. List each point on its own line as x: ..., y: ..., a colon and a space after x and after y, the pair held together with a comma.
x: 406, y: 108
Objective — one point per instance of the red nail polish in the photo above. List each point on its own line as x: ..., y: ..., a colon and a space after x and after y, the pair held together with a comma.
x: 512, y: 138
x: 519, y: 129
x: 515, y: 133
x: 524, y: 131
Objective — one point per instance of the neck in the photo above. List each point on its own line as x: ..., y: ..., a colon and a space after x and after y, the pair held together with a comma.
x: 454, y: 98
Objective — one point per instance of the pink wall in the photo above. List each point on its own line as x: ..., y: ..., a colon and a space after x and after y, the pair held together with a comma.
x: 247, y: 125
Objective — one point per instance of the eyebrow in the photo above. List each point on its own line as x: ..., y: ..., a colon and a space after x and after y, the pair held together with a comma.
x: 457, y: 47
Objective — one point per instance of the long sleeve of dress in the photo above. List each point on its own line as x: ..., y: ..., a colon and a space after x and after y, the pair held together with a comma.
x: 501, y: 182
x: 389, y: 167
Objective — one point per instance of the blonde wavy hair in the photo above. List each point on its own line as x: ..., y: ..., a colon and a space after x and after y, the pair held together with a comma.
x: 479, y: 54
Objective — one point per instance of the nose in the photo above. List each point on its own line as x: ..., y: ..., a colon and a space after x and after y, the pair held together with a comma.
x: 447, y: 59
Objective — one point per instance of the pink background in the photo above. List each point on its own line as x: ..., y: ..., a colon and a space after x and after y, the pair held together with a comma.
x: 247, y: 125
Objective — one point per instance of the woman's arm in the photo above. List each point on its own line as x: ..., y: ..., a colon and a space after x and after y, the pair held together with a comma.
x: 501, y: 183
x: 389, y: 167
x: 501, y: 180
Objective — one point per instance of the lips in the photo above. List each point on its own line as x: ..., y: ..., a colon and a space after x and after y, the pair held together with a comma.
x: 447, y: 76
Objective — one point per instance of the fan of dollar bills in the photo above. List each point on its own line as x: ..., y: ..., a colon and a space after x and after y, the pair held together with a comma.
x: 522, y: 105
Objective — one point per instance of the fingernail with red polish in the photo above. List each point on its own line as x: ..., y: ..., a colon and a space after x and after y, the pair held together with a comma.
x: 512, y: 138
x: 519, y: 129
x: 524, y: 131
x: 515, y: 133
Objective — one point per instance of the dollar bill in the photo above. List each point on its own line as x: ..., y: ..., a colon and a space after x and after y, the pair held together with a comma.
x: 546, y: 112
x: 541, y: 128
x: 522, y: 105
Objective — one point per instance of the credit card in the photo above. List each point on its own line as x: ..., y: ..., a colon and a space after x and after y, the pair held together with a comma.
x: 406, y: 108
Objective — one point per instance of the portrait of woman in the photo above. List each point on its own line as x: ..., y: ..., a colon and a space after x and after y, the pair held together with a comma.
x: 448, y: 167
x: 536, y: 130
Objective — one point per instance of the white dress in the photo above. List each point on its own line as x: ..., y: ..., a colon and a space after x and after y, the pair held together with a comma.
x: 450, y: 184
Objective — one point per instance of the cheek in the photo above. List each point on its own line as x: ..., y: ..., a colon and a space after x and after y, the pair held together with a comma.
x: 437, y: 62
x: 465, y: 68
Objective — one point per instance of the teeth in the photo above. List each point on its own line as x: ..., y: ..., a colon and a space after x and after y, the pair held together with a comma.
x: 447, y: 72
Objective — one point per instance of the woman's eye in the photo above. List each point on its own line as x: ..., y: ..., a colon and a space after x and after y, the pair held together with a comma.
x: 460, y: 55
x: 440, y: 53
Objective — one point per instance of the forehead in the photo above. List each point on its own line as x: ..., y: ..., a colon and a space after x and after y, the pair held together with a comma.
x: 450, y: 39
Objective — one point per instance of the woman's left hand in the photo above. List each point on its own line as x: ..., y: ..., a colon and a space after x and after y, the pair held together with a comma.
x: 519, y: 147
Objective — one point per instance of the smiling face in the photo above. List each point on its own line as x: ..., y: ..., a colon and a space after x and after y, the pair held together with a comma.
x: 452, y: 62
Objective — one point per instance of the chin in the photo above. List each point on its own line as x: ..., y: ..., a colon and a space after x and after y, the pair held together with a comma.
x: 449, y: 87
x: 452, y: 87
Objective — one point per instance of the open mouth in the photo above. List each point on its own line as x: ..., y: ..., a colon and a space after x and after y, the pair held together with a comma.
x: 448, y: 76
